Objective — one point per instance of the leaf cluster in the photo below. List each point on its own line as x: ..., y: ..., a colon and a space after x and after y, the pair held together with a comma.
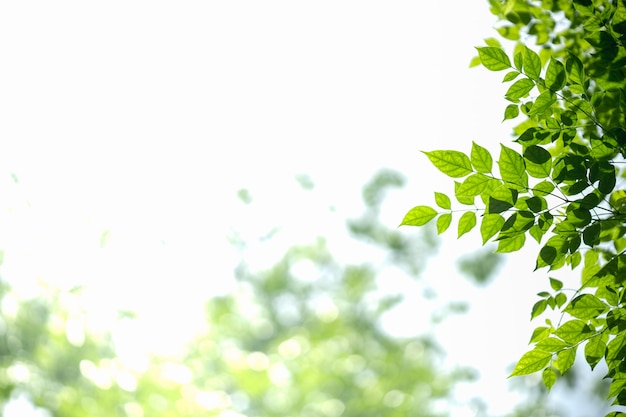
x: 560, y: 182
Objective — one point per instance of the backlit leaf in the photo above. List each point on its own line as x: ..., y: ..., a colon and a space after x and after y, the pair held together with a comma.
x: 512, y: 169
x: 595, y: 349
x: 443, y: 222
x: 493, y: 58
x: 565, y: 359
x: 543, y: 103
x: 555, y: 75
x: 519, y: 89
x: 531, y: 362
x: 586, y: 306
x: 573, y: 331
x: 532, y: 64
x: 473, y: 185
x: 419, y: 216
x: 511, y: 112
x: 538, y: 161
x: 549, y: 377
x: 466, y: 222
x: 454, y: 164
x: 481, y: 159
x: 490, y: 225
x: 511, y: 244
x: 442, y: 200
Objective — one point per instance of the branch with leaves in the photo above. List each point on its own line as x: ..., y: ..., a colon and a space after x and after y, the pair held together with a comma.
x: 561, y: 183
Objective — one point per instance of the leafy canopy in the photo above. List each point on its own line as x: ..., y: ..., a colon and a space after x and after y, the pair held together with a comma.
x: 560, y: 182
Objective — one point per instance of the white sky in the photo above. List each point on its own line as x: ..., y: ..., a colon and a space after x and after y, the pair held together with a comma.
x: 144, y: 118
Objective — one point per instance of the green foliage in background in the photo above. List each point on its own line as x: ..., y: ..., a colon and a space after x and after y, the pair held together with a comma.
x: 560, y: 182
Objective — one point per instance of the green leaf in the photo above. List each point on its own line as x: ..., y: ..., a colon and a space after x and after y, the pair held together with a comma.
x: 565, y: 359
x: 511, y: 244
x: 543, y: 188
x: 511, y: 112
x: 443, y: 222
x: 532, y: 64
x: 510, y: 76
x: 481, y: 159
x: 538, y: 308
x: 493, y: 58
x: 543, y: 103
x: 512, y: 169
x: 466, y: 223
x: 518, y: 61
x: 586, y: 306
x: 519, y: 89
x: 490, y: 225
x: 538, y: 161
x: 549, y: 378
x: 531, y: 362
x: 454, y: 164
x: 540, y: 333
x: 556, y: 284
x: 555, y: 75
x: 472, y: 186
x: 419, y: 216
x: 573, y: 331
x: 595, y: 349
x: 551, y: 344
x: 442, y: 200
x: 467, y: 200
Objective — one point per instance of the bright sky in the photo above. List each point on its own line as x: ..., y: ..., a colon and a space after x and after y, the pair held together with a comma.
x: 143, y: 119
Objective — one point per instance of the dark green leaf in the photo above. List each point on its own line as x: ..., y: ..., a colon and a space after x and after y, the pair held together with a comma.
x: 538, y: 161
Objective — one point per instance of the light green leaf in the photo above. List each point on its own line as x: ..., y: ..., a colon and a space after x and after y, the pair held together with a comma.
x: 543, y: 103
x: 512, y: 169
x: 442, y: 200
x: 543, y: 188
x: 472, y: 186
x: 556, y: 284
x: 510, y: 76
x: 551, y: 344
x: 532, y: 64
x: 493, y: 58
x: 511, y: 112
x: 419, y: 216
x: 549, y: 378
x: 575, y: 70
x: 573, y: 331
x: 490, y: 225
x: 565, y: 359
x: 538, y: 308
x: 466, y: 223
x: 519, y: 89
x: 540, y: 333
x: 620, y: 13
x: 538, y: 161
x: 518, y: 61
x: 481, y: 159
x: 511, y: 244
x: 586, y: 306
x: 595, y: 349
x: 466, y: 200
x: 555, y: 75
x: 531, y: 362
x: 454, y: 164
x: 443, y: 222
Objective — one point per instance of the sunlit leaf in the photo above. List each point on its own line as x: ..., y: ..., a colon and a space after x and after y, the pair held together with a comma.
x: 573, y: 331
x: 549, y: 377
x: 532, y: 64
x: 519, y: 89
x: 511, y: 244
x: 595, y: 349
x: 565, y: 359
x: 443, y: 222
x: 419, y: 216
x: 532, y: 362
x: 493, y: 58
x: 466, y: 222
x: 481, y: 159
x: 512, y: 169
x: 586, y: 306
x: 555, y: 75
x: 490, y: 225
x: 442, y: 200
x: 454, y: 164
